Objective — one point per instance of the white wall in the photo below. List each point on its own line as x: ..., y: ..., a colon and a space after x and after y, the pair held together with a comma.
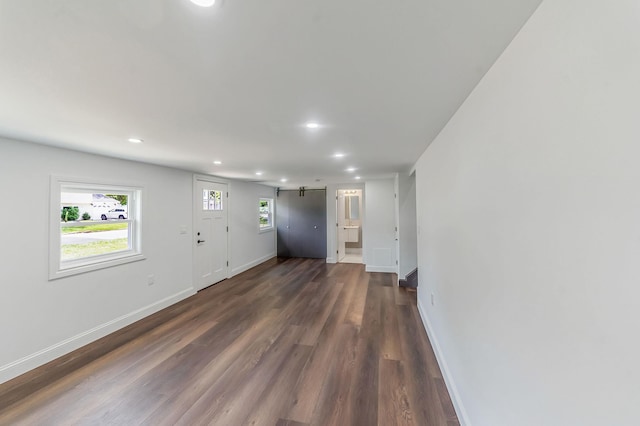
x: 407, y: 226
x: 249, y: 247
x: 379, y: 242
x: 529, y: 222
x: 41, y: 319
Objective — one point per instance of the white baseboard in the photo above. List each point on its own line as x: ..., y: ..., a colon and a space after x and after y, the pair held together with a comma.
x: 247, y: 266
x: 373, y: 268
x: 29, y: 362
x: 448, y: 379
x: 331, y: 260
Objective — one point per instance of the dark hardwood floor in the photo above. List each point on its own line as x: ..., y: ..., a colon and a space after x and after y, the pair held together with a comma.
x: 291, y: 342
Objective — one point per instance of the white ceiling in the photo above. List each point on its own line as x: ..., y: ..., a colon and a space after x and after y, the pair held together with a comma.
x: 238, y: 81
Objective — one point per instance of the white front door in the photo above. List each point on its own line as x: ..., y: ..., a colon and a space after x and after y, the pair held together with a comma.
x: 211, y: 230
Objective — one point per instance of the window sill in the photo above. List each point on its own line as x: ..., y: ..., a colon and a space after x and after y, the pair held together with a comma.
x: 95, y: 265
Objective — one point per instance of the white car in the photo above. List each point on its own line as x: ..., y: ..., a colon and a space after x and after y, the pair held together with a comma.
x: 114, y: 214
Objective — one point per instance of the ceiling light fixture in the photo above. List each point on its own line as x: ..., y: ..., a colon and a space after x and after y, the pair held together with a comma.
x: 338, y: 155
x: 135, y: 140
x: 258, y: 173
x: 217, y: 162
x: 312, y: 125
x: 357, y: 177
x: 283, y: 180
x: 351, y: 169
x: 204, y: 3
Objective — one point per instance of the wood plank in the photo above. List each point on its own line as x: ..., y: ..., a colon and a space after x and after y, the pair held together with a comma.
x: 391, y: 347
x: 307, y: 390
x: 445, y: 401
x: 292, y: 342
x: 315, y: 319
x: 356, y: 309
x: 333, y: 407
x: 394, y: 407
x: 230, y: 404
x: 285, y: 422
x: 363, y: 394
x: 85, y: 387
x: 270, y: 404
x: 402, y: 296
x: 422, y: 389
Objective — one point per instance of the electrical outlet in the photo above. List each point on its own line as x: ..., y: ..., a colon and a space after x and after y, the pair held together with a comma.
x: 151, y: 280
x: 433, y: 300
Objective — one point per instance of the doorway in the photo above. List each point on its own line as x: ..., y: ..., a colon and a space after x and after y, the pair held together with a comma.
x: 211, y: 231
x: 349, y: 216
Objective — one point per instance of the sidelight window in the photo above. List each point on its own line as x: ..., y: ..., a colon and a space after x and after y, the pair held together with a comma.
x: 265, y: 214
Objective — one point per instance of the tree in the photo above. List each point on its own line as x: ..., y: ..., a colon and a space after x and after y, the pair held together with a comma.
x: 122, y: 199
x: 70, y: 213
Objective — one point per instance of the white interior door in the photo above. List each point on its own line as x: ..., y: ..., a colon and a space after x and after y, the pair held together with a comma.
x: 340, y: 213
x: 211, y: 207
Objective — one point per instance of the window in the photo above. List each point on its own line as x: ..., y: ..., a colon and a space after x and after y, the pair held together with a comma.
x: 211, y: 200
x: 93, y: 226
x: 265, y: 214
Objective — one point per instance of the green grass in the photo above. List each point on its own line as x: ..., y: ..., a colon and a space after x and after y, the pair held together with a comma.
x: 94, y: 228
x: 76, y: 251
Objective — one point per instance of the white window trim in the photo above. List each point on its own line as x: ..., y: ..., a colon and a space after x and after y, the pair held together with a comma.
x: 270, y: 228
x: 58, y: 269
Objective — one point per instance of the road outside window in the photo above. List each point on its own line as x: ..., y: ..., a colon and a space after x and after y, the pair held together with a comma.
x: 93, y: 224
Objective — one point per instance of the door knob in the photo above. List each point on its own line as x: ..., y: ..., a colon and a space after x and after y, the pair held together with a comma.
x: 200, y: 241
x: 315, y: 226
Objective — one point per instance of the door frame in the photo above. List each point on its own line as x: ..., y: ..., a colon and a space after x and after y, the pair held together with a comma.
x: 340, y: 209
x: 332, y: 219
x: 194, y: 219
x: 340, y: 213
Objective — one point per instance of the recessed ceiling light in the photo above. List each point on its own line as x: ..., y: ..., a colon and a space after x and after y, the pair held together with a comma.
x: 135, y: 140
x: 258, y: 173
x: 217, y: 162
x: 338, y: 155
x: 312, y: 125
x: 357, y: 177
x: 204, y: 3
x: 351, y: 169
x: 283, y: 180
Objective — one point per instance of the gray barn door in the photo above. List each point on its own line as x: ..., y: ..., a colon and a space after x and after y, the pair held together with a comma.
x: 302, y: 224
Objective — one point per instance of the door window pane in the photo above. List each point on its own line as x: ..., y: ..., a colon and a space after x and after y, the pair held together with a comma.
x: 211, y: 200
